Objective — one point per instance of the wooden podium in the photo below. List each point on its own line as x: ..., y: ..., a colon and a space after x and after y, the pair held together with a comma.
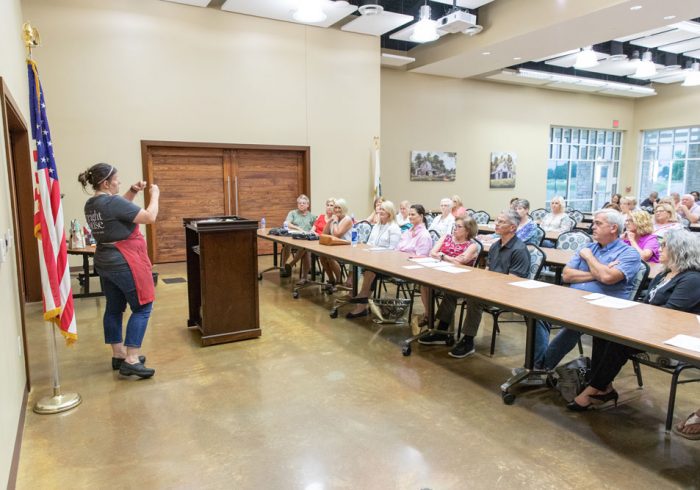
x: 222, y: 285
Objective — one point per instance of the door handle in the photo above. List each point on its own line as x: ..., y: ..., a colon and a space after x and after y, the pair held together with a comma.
x: 228, y: 186
x: 236, y: 184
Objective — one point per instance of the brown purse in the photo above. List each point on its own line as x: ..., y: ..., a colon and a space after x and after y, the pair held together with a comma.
x: 332, y: 240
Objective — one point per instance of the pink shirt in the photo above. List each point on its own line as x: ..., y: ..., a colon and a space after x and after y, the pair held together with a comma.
x: 416, y: 241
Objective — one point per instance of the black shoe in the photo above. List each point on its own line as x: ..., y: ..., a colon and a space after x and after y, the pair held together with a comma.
x: 357, y: 315
x: 286, y: 270
x: 464, y: 348
x: 117, y: 362
x: 137, y: 369
x: 611, y: 395
x: 437, y: 338
x: 358, y: 301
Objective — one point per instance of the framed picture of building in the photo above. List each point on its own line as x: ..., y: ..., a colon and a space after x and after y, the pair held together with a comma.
x: 502, y: 170
x: 433, y: 166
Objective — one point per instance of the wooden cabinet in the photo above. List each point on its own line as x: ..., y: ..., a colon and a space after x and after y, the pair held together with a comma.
x: 198, y: 179
x: 222, y: 283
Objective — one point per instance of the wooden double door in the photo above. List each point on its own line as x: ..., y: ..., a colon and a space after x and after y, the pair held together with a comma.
x: 195, y: 180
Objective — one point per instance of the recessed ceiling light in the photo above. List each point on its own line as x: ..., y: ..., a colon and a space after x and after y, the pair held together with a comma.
x: 517, y: 58
x: 636, y: 7
x: 669, y: 17
x: 486, y: 53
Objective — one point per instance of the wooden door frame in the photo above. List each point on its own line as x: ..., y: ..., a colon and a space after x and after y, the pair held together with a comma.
x: 147, y: 166
x: 17, y: 155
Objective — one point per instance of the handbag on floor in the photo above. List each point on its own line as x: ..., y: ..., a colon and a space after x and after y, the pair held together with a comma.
x: 572, y: 377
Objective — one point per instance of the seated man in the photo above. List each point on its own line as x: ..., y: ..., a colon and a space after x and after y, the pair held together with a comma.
x: 508, y: 255
x: 688, y: 208
x: 608, y: 266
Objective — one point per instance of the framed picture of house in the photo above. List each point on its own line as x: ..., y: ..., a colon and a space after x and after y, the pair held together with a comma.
x: 433, y: 166
x: 502, y: 170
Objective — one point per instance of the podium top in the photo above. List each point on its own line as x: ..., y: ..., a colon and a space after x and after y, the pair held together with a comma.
x: 214, y: 223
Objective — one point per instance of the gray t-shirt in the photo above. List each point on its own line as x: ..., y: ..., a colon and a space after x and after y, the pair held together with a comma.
x: 111, y: 219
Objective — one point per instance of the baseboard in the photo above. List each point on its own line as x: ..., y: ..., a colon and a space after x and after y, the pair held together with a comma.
x: 12, y: 480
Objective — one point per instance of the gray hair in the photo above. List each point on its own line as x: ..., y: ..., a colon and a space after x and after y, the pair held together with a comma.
x: 682, y: 250
x: 522, y: 203
x: 613, y: 217
x: 511, y: 216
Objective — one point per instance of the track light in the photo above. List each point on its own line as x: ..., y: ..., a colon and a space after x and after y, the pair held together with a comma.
x: 425, y: 30
x: 586, y: 58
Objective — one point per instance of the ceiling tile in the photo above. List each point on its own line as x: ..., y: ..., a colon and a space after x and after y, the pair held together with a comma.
x: 692, y: 54
x: 389, y: 59
x: 377, y: 25
x: 405, y: 33
x: 668, y: 37
x: 196, y: 3
x: 617, y: 66
x: 466, y: 4
x: 682, y: 46
x: 569, y: 60
x: 640, y: 35
x: 284, y: 9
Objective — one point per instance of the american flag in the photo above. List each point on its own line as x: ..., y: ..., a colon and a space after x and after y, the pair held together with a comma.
x: 48, y: 219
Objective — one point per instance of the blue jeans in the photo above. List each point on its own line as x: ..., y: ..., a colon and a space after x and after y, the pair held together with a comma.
x: 119, y: 289
x: 549, y: 356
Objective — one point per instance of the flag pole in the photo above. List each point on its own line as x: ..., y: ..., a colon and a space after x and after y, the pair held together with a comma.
x: 58, y: 402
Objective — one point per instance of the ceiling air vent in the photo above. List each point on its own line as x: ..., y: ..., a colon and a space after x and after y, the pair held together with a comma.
x: 371, y: 9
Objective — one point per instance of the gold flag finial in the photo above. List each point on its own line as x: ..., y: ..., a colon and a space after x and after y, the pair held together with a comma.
x: 31, y: 38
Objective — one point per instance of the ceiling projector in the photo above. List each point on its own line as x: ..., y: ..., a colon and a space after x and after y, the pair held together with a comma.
x: 457, y: 21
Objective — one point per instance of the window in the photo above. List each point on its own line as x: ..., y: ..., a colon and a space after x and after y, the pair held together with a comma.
x: 670, y: 161
x: 583, y: 166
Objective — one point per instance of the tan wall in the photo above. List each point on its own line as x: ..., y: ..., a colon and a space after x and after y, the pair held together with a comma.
x: 674, y: 106
x: 12, y: 380
x: 474, y: 118
x: 120, y: 71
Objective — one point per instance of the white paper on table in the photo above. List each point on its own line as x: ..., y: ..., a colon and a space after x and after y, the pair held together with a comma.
x: 412, y: 266
x: 377, y: 249
x: 451, y: 269
x: 424, y: 260
x: 698, y: 316
x: 531, y: 284
x: 434, y: 265
x: 616, y: 303
x: 594, y: 296
x: 685, y: 341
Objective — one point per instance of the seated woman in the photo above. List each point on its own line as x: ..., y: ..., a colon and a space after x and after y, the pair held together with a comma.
x: 373, y: 218
x: 458, y: 248
x: 628, y: 204
x: 416, y: 241
x: 614, y: 199
x: 402, y: 215
x: 527, y: 228
x: 676, y: 288
x: 300, y: 219
x: 340, y: 226
x: 458, y: 208
x: 442, y: 224
x: 665, y: 219
x: 322, y: 219
x: 386, y: 234
x: 639, y: 234
x: 554, y: 220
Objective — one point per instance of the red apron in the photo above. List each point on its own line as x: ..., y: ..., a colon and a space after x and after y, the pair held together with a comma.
x: 134, y: 251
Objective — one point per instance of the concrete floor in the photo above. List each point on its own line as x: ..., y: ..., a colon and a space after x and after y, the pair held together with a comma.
x: 317, y: 403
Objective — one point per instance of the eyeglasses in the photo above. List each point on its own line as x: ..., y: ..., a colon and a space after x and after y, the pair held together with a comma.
x: 459, y: 226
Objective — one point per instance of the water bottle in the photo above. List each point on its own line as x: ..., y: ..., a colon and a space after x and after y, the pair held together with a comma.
x: 354, y: 236
x: 262, y: 223
x: 285, y: 225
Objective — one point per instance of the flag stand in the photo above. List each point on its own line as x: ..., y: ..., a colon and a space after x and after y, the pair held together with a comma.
x: 59, y: 402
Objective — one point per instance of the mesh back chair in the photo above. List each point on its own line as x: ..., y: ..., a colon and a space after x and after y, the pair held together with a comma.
x: 538, y: 214
x: 363, y: 231
x: 434, y: 236
x: 685, y: 222
x: 481, y: 217
x: 470, y: 212
x: 568, y: 223
x: 537, y: 258
x: 575, y: 215
x: 429, y: 220
x: 573, y: 240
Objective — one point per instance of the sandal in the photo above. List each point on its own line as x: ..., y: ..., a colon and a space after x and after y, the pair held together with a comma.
x: 423, y: 322
x: 693, y: 419
x: 301, y: 282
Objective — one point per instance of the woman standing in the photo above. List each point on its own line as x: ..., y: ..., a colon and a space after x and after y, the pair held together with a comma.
x: 122, y: 263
